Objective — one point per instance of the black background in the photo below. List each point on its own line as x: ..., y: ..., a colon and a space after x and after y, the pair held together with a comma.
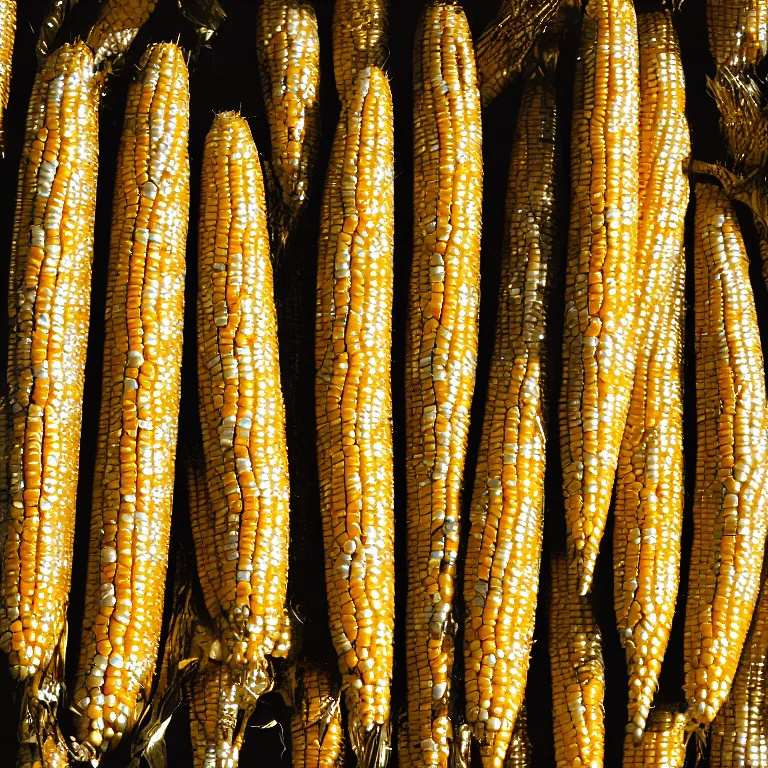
x: 223, y: 76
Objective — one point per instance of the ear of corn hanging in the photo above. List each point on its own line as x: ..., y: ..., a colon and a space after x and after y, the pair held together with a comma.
x: 49, y: 307
x: 215, y: 724
x: 116, y: 28
x: 7, y: 35
x: 317, y: 737
x: 599, y: 302
x: 740, y: 730
x: 50, y: 755
x: 141, y: 378
x: 181, y: 655
x: 506, y: 515
x: 441, y: 355
x: 519, y: 751
x: 353, y: 402
x: 649, y: 489
x: 578, y: 674
x: 241, y: 529
x: 738, y: 32
x: 359, y: 40
x: 218, y: 692
x: 507, y: 40
x: 662, y: 745
x: 731, y: 459
x: 288, y: 47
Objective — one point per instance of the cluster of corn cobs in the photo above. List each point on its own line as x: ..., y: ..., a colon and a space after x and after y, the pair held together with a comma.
x: 472, y: 579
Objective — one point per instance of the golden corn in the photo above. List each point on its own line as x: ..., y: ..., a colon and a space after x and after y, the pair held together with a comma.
x: 215, y: 728
x: 648, y: 514
x: 578, y: 675
x: 353, y: 403
x: 116, y: 28
x: 7, y: 35
x: 141, y: 379
x: 519, y: 751
x: 359, y: 41
x: 288, y: 47
x: 242, y: 549
x: 317, y: 737
x: 740, y: 730
x: 51, y: 755
x: 731, y: 459
x: 501, y: 575
x: 738, y: 32
x: 180, y: 657
x: 49, y: 307
x: 441, y: 355
x: 598, y: 344
x: 6, y: 433
x: 662, y: 745
x: 505, y: 43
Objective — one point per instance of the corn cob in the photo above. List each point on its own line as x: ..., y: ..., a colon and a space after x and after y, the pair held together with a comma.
x: 50, y: 755
x: 180, y: 658
x: 506, y: 514
x: 599, y: 308
x: 116, y: 28
x: 506, y: 41
x: 289, y: 62
x: 740, y: 730
x: 7, y: 35
x: 216, y: 732
x: 519, y: 751
x: 738, y: 32
x: 359, y: 40
x: 441, y: 353
x: 649, y: 492
x: 134, y: 474
x: 662, y: 745
x: 354, y: 407
x: 242, y: 547
x: 731, y: 459
x: 578, y: 675
x: 49, y: 306
x: 317, y: 738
